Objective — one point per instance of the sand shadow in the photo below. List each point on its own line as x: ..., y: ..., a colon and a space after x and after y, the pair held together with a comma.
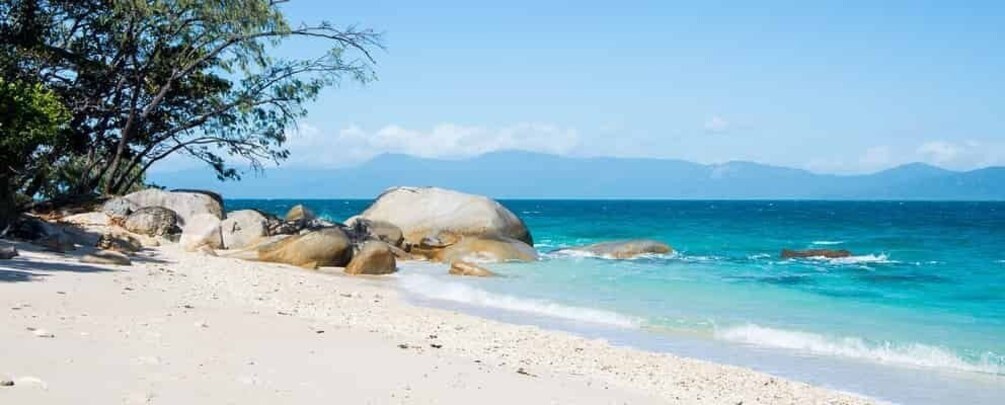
x: 20, y: 269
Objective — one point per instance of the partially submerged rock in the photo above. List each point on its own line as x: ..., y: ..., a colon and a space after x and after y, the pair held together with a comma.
x: 186, y: 204
x: 473, y: 249
x: 152, y: 221
x: 372, y: 257
x: 469, y: 269
x: 106, y: 257
x: 419, y: 212
x: 243, y: 228
x: 625, y: 249
x: 201, y: 230
x: 323, y: 247
x: 824, y: 253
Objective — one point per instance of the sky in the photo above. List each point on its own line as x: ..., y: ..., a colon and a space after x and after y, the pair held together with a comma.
x: 833, y: 87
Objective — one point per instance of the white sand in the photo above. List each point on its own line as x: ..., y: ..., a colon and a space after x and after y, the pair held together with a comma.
x: 186, y: 328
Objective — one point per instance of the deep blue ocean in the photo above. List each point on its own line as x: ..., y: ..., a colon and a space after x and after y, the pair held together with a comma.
x: 924, y: 289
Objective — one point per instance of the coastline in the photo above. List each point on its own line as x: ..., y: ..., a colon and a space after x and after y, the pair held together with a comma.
x: 188, y: 326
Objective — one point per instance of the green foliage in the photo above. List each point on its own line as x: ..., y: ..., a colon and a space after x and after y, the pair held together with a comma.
x: 147, y: 79
x: 31, y: 120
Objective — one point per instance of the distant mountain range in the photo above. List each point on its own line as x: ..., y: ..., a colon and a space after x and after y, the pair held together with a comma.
x: 533, y: 175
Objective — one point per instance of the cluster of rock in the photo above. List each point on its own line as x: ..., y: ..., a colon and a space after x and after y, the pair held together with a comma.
x: 403, y: 223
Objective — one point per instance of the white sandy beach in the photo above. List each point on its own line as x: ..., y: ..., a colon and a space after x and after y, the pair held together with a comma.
x: 180, y: 327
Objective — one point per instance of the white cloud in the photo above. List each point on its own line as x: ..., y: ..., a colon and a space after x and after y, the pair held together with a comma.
x: 716, y: 124
x: 351, y: 145
x: 940, y: 152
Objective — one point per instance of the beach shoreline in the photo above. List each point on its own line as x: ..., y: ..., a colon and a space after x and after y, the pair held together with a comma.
x: 136, y: 335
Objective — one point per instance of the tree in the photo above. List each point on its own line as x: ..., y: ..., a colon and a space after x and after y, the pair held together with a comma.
x: 31, y: 123
x: 147, y: 79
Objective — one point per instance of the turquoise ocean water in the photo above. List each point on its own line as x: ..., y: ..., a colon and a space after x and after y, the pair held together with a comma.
x: 923, y: 295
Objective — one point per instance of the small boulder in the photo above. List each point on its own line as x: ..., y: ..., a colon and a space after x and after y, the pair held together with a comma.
x: 376, y: 230
x: 152, y: 221
x: 624, y: 249
x: 300, y: 213
x: 120, y: 242
x: 421, y: 211
x: 58, y: 242
x: 323, y: 247
x: 825, y: 253
x: 8, y: 252
x: 201, y: 230
x: 469, y: 269
x: 106, y: 257
x: 243, y: 228
x: 119, y: 207
x: 373, y: 257
x: 186, y: 204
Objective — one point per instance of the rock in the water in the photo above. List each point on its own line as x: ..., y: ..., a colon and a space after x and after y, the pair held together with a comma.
x: 485, y: 250
x: 373, y: 257
x: 106, y: 257
x: 8, y: 252
x: 419, y: 212
x: 243, y: 228
x: 152, y: 221
x: 88, y: 218
x: 624, y: 249
x: 826, y: 253
x: 299, y: 213
x: 376, y: 230
x: 201, y: 230
x: 186, y: 204
x: 323, y: 247
x: 469, y: 269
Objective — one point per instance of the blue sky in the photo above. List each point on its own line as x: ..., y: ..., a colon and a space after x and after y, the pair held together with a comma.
x: 842, y: 87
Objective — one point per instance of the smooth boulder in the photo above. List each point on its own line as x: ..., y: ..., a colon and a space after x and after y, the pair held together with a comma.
x: 88, y: 218
x: 420, y: 211
x: 119, y: 207
x: 374, y: 258
x: 106, y: 257
x: 201, y: 230
x: 824, y: 253
x: 243, y: 228
x: 483, y: 250
x: 299, y: 213
x: 186, y: 204
x: 469, y: 269
x: 322, y: 247
x: 626, y: 249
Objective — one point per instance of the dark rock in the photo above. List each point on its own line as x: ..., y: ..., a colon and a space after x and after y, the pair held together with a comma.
x: 826, y: 253
x: 8, y: 252
x: 152, y: 221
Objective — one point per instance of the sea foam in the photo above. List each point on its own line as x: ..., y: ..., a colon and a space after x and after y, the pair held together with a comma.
x: 913, y: 354
x: 432, y: 287
x: 827, y: 242
x: 863, y: 259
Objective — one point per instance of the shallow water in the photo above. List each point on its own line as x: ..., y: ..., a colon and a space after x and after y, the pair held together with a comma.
x: 925, y: 289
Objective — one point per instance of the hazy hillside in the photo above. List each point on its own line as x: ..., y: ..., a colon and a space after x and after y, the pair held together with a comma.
x: 532, y: 175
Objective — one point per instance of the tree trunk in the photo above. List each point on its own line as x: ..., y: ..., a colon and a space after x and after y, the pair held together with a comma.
x: 8, y: 209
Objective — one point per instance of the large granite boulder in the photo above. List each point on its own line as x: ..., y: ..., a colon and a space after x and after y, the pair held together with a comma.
x: 469, y: 269
x: 474, y: 249
x: 322, y: 247
x: 243, y: 228
x: 119, y: 207
x: 419, y: 212
x: 372, y: 257
x: 824, y: 253
x: 152, y: 221
x: 186, y: 204
x: 201, y: 230
x: 626, y: 249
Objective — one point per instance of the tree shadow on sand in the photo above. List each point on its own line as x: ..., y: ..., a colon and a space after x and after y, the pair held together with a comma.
x: 21, y: 269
